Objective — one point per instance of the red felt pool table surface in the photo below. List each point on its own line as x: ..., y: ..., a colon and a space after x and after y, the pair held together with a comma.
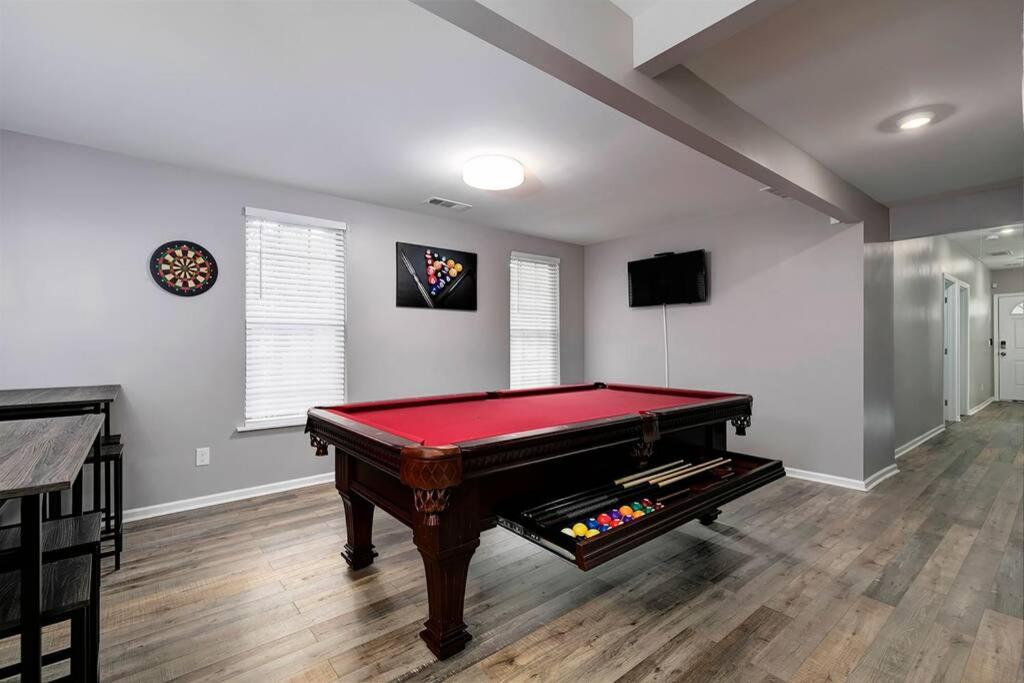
x: 440, y: 420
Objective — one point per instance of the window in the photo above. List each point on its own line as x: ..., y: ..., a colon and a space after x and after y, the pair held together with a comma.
x: 533, y: 328
x: 1017, y: 310
x: 294, y: 316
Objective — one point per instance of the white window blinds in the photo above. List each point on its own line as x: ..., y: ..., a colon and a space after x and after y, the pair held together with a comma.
x: 533, y: 321
x: 294, y: 316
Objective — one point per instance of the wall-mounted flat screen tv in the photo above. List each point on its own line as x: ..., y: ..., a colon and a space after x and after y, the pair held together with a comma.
x: 669, y: 279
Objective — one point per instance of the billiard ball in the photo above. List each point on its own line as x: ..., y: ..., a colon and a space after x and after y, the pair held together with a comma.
x: 592, y: 532
x: 432, y: 280
x: 614, y: 514
x: 625, y: 510
x: 603, y: 519
x: 637, y: 506
x: 569, y: 532
x: 440, y: 284
x: 637, y: 514
x: 592, y: 523
x: 579, y: 529
x: 648, y: 510
x: 450, y: 263
x: 615, y: 522
x: 627, y: 518
x: 603, y: 528
x: 452, y: 272
x: 458, y: 267
x: 646, y: 502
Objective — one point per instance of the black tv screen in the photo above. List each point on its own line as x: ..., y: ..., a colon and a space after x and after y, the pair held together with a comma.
x: 669, y: 279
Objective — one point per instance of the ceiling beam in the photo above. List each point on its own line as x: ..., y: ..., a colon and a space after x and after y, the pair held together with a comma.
x: 672, y: 31
x: 588, y: 45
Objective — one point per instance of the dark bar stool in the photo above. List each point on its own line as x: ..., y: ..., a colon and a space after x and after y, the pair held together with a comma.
x: 65, y: 597
x: 108, y: 493
x: 64, y: 539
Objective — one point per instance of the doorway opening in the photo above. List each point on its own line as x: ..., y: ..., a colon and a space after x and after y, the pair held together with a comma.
x: 956, y: 367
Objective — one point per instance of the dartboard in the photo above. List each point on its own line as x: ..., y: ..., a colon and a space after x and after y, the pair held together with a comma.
x: 183, y: 268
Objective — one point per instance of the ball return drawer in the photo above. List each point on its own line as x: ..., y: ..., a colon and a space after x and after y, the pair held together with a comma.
x: 691, y: 486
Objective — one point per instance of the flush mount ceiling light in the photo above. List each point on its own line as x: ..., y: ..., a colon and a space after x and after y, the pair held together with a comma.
x: 991, y: 237
x: 915, y: 119
x: 1007, y: 231
x: 493, y: 172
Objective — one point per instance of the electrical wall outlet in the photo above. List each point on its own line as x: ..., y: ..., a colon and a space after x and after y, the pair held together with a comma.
x: 203, y: 456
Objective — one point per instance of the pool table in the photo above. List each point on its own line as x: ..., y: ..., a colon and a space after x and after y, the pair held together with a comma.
x: 452, y: 466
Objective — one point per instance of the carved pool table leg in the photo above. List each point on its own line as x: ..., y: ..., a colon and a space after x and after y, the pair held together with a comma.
x: 358, y: 550
x: 447, y: 548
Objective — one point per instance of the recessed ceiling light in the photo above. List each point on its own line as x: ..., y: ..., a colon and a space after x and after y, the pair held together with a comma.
x: 1006, y: 231
x: 493, y: 172
x: 915, y: 120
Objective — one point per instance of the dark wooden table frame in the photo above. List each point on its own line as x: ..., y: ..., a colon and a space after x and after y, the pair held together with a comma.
x: 31, y: 403
x: 40, y: 456
x: 448, y: 494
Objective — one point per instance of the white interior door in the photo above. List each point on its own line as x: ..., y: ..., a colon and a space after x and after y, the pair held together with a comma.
x: 1010, y: 348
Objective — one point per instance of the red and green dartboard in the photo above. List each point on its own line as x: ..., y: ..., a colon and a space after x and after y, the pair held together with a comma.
x: 183, y: 268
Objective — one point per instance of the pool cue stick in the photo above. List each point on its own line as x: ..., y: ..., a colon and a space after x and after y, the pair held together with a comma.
x: 700, y: 470
x: 602, y: 498
x: 641, y: 475
x: 576, y: 498
x: 636, y: 489
x: 669, y: 473
x: 547, y: 505
x: 613, y: 498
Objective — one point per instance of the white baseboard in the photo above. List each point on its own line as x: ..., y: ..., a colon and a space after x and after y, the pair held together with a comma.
x: 225, y: 497
x: 981, y: 406
x: 880, y: 476
x: 914, y: 443
x: 844, y: 482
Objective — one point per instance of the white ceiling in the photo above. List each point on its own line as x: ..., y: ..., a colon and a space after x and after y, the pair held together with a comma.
x: 376, y: 101
x: 635, y: 8
x: 978, y: 244
x: 826, y: 73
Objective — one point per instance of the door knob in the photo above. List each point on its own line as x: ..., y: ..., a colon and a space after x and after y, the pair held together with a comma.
x: 1002, y: 353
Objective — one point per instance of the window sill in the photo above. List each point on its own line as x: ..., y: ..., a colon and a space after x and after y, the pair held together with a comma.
x: 262, y: 425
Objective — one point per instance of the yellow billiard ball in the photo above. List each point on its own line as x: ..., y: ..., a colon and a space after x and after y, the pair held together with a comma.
x: 579, y: 529
x: 592, y: 532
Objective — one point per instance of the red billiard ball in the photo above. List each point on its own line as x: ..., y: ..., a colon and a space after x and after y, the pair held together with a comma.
x: 432, y: 280
x: 614, y: 523
x: 603, y: 519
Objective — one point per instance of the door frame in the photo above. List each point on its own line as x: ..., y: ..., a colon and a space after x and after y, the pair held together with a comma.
x: 954, y: 398
x: 963, y: 355
x: 995, y: 337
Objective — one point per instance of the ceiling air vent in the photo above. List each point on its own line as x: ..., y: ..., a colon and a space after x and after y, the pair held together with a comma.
x: 1004, y: 252
x: 448, y: 204
x: 778, y: 193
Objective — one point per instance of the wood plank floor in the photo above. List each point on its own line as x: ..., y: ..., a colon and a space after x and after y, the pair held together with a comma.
x: 919, y: 580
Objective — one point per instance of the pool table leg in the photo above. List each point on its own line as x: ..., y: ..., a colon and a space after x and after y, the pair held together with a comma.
x: 358, y: 552
x: 447, y: 548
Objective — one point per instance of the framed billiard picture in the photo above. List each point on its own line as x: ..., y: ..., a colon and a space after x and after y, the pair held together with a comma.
x: 428, y: 276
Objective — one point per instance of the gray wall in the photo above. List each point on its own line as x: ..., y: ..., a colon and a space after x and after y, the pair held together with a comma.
x: 973, y: 209
x: 879, y: 407
x: 1008, y: 281
x: 919, y: 265
x: 785, y: 324
x: 77, y: 306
